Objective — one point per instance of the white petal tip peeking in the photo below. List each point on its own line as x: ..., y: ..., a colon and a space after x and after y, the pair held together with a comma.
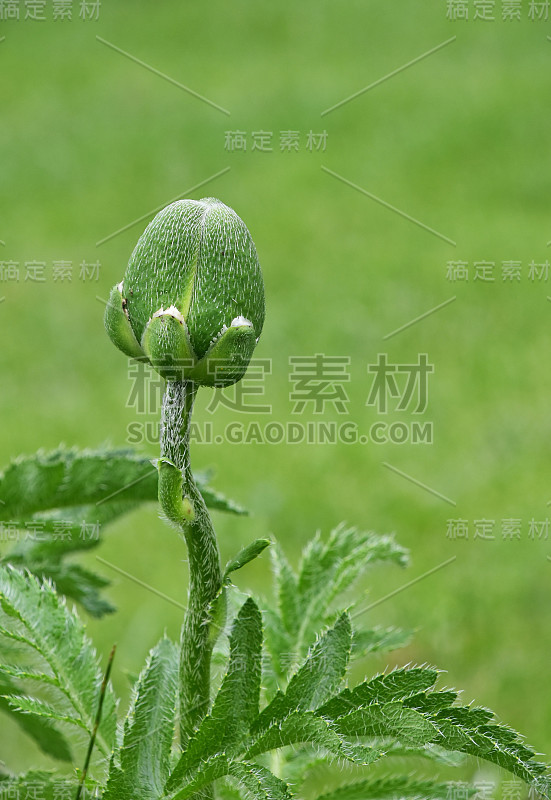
x: 240, y: 322
x: 172, y: 311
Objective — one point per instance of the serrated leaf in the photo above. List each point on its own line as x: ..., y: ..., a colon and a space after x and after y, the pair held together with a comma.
x: 280, y: 655
x: 329, y: 569
x: 286, y: 590
x: 299, y: 762
x: 48, y: 738
x: 79, y: 584
x: 431, y: 752
x: 324, y: 667
x: 305, y: 601
x: 305, y: 727
x: 347, y: 552
x: 42, y: 784
x: 60, y: 501
x: 259, y: 783
x: 379, y: 640
x: 248, y: 553
x: 7, y: 672
x: 45, y: 560
x: 391, y: 719
x: 38, y: 619
x: 472, y: 731
x: 211, y: 769
x: 66, y: 478
x: 149, y: 729
x: 495, y: 743
x: 87, y: 479
x: 396, y: 685
x: 395, y: 788
x: 37, y: 708
x: 431, y: 701
x: 226, y: 791
x: 256, y: 781
x: 218, y: 501
x: 236, y: 704
x: 363, y: 711
x: 317, y: 678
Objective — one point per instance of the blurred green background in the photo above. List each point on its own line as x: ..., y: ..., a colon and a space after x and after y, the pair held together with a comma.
x: 91, y: 140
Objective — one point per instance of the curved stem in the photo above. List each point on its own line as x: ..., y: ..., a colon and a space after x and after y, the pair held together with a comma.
x: 183, y: 504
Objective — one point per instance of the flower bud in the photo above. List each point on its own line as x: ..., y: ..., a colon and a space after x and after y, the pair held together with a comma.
x: 192, y: 299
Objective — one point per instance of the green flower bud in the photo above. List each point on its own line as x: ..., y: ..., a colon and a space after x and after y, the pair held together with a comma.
x: 192, y: 299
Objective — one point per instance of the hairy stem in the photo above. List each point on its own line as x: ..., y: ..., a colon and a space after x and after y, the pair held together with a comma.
x: 183, y: 504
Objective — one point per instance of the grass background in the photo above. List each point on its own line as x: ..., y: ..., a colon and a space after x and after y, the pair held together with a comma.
x: 90, y: 141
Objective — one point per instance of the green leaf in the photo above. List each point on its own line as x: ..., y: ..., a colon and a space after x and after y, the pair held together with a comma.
x: 218, y: 501
x: 79, y: 584
x: 328, y: 569
x: 281, y: 654
x: 401, y: 706
x: 346, y: 554
x: 45, y: 559
x: 324, y: 667
x: 58, y: 503
x: 393, y: 788
x: 379, y: 640
x: 59, y: 532
x: 431, y: 752
x: 225, y: 733
x: 48, y: 738
x: 30, y: 675
x: 317, y: 678
x: 35, y: 617
x: 37, y: 708
x: 305, y: 727
x: 396, y: 685
x: 210, y: 769
x: 67, y: 479
x: 282, y: 624
x: 245, y: 555
x: 236, y: 704
x: 226, y: 791
x: 305, y: 601
x: 495, y: 743
x: 286, y: 590
x: 258, y: 782
x: 299, y: 762
x: 432, y: 701
x: 42, y: 784
x: 473, y: 731
x: 391, y: 719
x: 144, y: 757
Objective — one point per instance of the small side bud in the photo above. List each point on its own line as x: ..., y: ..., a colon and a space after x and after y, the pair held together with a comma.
x: 118, y: 325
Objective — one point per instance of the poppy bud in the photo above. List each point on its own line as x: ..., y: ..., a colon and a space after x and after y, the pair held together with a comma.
x: 192, y: 299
